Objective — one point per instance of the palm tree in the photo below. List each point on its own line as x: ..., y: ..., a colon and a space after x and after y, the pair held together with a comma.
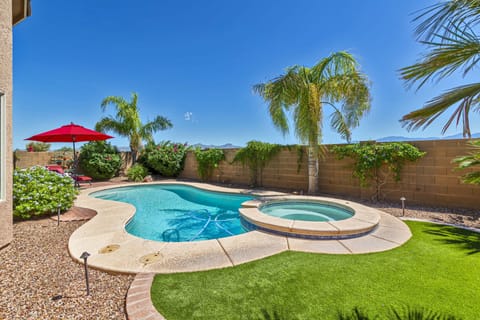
x: 447, y: 29
x: 305, y: 91
x: 127, y: 122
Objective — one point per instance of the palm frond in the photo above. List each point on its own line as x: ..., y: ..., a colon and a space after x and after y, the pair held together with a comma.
x: 446, y: 15
x: 112, y: 100
x: 458, y: 49
x: 157, y: 124
x: 466, y: 95
x: 110, y: 124
x: 337, y: 63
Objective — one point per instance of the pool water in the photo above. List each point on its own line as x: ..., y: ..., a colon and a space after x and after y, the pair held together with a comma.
x: 176, y: 213
x: 306, y: 211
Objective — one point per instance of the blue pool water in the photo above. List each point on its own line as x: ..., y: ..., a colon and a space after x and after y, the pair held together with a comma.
x: 175, y: 213
x: 306, y: 211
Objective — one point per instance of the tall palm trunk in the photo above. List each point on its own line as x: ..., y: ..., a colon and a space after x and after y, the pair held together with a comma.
x: 314, y: 127
x: 312, y: 168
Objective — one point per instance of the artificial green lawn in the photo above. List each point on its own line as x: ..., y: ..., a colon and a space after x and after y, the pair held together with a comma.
x: 437, y: 269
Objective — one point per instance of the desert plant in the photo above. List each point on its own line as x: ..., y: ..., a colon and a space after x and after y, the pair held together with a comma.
x: 166, y: 158
x: 256, y: 156
x: 207, y: 161
x: 38, y: 191
x: 38, y: 146
x: 99, y: 160
x: 306, y: 91
x: 470, y: 161
x: 137, y: 172
x: 377, y: 161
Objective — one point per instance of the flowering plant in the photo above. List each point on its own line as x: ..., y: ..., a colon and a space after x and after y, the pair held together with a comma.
x: 38, y: 191
x: 99, y: 160
x: 166, y: 158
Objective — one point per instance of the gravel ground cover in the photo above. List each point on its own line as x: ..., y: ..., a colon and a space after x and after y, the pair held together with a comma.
x: 36, y: 267
x: 463, y: 217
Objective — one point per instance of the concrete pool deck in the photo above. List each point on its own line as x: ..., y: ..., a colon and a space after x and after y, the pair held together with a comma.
x: 113, y: 249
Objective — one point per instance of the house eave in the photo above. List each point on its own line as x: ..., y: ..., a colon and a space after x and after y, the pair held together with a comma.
x: 20, y: 10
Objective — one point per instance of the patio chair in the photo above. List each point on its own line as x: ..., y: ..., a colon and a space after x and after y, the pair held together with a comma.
x: 76, y: 177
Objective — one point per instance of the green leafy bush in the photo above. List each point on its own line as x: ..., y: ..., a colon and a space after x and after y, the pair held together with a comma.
x: 38, y: 146
x: 99, y: 160
x: 256, y: 156
x: 38, y: 191
x: 137, y: 172
x: 166, y: 158
x: 207, y: 161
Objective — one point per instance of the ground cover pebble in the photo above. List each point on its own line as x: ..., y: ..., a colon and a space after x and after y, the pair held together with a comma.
x: 36, y: 269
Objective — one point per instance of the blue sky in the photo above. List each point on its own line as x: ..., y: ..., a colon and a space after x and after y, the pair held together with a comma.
x: 195, y: 62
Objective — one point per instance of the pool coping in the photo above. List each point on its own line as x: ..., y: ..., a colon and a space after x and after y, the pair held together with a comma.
x: 112, y: 249
x: 363, y: 220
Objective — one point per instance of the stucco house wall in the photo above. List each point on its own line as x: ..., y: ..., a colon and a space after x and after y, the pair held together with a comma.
x: 6, y: 89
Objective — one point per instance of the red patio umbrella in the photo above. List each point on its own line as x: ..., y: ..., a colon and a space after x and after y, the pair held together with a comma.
x: 70, y: 133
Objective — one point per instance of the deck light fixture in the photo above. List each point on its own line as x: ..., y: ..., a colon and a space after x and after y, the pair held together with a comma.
x: 84, y: 256
x: 58, y: 214
x: 403, y: 205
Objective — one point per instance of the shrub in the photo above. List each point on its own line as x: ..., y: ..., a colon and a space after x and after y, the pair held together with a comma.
x: 137, y: 173
x: 376, y: 161
x: 99, y: 160
x: 38, y: 146
x: 207, y: 161
x: 38, y: 191
x: 165, y: 158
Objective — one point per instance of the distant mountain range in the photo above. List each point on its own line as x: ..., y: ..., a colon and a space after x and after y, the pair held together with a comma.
x: 400, y: 138
x: 210, y: 146
x: 384, y: 139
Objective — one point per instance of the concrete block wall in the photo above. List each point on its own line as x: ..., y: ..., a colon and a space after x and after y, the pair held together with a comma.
x: 25, y: 159
x: 281, y: 172
x: 431, y: 181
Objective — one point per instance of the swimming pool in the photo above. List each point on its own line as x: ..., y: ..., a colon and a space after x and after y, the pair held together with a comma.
x: 178, y: 213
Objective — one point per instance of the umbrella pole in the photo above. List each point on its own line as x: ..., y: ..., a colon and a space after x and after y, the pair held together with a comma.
x: 74, y: 171
x: 74, y: 158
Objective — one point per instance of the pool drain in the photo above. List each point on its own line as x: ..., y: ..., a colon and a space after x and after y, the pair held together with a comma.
x: 108, y: 249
